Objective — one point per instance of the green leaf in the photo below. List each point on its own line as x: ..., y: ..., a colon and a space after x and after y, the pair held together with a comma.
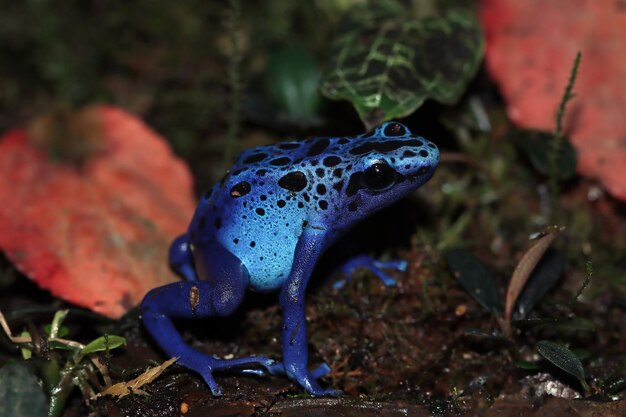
x: 103, y: 343
x: 564, y: 358
x: 20, y: 393
x: 292, y: 81
x: 475, y: 277
x: 537, y: 146
x: 545, y: 275
x: 387, y: 63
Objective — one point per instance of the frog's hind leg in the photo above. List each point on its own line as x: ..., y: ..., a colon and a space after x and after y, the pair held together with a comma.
x: 198, y: 299
x: 181, y: 259
x: 374, y: 265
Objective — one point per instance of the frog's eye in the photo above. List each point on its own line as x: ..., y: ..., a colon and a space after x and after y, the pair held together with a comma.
x: 378, y: 177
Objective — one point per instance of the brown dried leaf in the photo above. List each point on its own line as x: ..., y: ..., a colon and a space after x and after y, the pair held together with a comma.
x: 526, y: 266
x: 122, y: 389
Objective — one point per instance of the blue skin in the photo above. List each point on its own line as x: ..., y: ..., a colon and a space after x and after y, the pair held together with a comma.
x: 264, y: 227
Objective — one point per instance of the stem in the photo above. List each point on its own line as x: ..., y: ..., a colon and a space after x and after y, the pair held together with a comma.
x: 557, y: 141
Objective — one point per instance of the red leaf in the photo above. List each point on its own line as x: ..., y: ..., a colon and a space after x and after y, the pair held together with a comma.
x: 531, y: 46
x: 93, y: 224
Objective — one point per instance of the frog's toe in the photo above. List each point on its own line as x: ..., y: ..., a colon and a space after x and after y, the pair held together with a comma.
x: 308, y: 380
x: 373, y: 265
x: 321, y: 371
x: 207, y: 375
x: 262, y: 361
x: 278, y: 368
x: 396, y: 264
x: 386, y: 279
x: 252, y: 371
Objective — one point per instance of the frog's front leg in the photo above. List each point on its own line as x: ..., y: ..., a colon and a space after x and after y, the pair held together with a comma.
x: 219, y: 296
x: 292, y: 301
x: 181, y: 259
x: 374, y: 265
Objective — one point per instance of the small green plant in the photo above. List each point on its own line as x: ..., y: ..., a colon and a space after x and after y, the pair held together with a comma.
x: 559, y: 138
x: 535, y: 274
x: 551, y: 153
x: 62, y: 364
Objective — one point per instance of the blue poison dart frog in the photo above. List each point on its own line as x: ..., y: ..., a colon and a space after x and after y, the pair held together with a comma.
x: 264, y: 227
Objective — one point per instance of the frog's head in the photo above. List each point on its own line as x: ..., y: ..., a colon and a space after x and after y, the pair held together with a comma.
x: 387, y: 163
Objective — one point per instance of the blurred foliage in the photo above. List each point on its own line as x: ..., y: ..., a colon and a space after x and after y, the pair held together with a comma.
x: 290, y: 96
x: 165, y: 61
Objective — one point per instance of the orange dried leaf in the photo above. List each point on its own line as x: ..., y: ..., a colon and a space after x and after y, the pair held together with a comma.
x: 531, y: 45
x: 90, y: 206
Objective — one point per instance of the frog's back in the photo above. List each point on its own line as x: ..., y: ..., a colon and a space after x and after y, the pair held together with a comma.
x: 268, y: 197
x: 259, y: 210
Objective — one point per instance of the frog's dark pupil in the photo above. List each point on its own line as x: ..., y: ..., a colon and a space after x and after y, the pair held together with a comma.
x: 378, y: 177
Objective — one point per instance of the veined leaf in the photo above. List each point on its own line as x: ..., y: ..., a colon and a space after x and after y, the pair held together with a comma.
x: 475, y: 277
x: 564, y: 358
x: 387, y: 63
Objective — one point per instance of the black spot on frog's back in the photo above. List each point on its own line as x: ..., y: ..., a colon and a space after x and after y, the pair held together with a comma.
x: 331, y: 161
x: 281, y: 161
x: 318, y: 147
x: 289, y: 145
x: 240, y: 189
x: 384, y: 146
x: 293, y: 181
x: 255, y: 158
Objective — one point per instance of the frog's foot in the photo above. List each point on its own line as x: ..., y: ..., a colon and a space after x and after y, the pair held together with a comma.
x: 278, y: 368
x: 373, y: 265
x: 213, y: 364
x: 308, y: 380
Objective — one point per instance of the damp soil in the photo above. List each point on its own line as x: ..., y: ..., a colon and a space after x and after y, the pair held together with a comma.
x: 419, y: 348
